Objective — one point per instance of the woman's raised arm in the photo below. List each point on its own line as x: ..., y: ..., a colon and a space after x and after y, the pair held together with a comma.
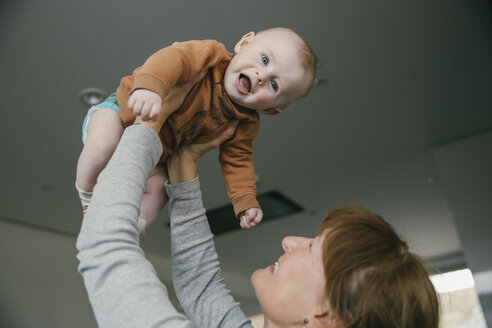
x: 121, y: 283
x: 198, y: 282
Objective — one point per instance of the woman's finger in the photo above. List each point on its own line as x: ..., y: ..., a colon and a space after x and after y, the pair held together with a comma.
x: 201, y: 149
x: 227, y: 134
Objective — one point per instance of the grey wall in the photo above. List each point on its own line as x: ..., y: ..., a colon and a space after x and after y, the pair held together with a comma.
x: 465, y: 167
x: 39, y: 282
x: 40, y: 286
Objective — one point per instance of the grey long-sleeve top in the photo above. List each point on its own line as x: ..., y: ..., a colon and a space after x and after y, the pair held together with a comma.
x: 122, y: 285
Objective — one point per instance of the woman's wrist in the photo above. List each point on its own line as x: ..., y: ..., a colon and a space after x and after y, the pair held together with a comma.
x: 181, y: 167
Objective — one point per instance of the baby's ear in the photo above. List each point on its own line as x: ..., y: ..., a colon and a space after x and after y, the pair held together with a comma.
x: 244, y: 41
x: 271, y: 111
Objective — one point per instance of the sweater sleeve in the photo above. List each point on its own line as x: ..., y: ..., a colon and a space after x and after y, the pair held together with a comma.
x: 198, y: 282
x: 236, y: 159
x: 178, y: 63
x: 123, y: 287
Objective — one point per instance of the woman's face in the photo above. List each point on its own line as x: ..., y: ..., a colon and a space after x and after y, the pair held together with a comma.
x: 294, y: 287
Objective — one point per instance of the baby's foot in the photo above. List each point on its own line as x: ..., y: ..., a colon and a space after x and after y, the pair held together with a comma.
x: 85, y: 198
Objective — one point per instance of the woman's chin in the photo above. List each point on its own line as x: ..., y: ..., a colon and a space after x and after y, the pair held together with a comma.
x: 254, y: 276
x: 257, y: 277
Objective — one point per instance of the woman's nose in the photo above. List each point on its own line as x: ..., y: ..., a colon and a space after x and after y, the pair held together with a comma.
x: 290, y: 243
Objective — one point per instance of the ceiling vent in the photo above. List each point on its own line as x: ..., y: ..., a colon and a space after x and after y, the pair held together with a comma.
x: 274, y: 204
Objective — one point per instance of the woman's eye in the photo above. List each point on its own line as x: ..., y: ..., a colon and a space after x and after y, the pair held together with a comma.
x: 274, y: 85
x: 264, y: 59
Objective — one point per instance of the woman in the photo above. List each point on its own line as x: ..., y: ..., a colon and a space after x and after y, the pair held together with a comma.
x: 355, y: 273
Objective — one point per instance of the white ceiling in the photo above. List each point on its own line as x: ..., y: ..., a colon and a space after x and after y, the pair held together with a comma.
x: 401, y: 79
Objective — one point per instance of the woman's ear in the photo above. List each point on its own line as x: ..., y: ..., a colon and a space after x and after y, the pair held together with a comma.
x: 327, y: 320
x: 244, y: 41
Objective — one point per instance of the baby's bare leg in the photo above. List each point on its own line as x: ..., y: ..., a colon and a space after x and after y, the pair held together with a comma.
x: 154, y: 197
x: 103, y: 134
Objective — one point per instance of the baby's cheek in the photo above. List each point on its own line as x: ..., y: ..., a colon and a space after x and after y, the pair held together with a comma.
x: 264, y: 100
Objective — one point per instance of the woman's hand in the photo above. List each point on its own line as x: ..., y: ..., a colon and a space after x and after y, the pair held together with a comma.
x: 181, y: 165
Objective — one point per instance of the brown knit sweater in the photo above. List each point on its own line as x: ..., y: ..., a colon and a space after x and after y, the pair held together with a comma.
x: 205, y: 112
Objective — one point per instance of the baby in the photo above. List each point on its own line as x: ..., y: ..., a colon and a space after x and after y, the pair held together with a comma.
x: 269, y: 71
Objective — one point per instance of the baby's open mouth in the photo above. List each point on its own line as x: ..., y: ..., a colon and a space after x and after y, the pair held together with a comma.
x: 244, y: 83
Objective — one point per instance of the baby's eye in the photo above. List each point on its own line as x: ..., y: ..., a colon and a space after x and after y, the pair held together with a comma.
x: 274, y: 85
x: 264, y: 59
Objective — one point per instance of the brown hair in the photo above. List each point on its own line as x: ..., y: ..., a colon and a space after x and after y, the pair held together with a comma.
x: 372, y: 280
x: 308, y: 58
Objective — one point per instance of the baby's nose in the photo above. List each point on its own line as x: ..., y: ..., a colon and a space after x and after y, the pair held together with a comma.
x: 260, y: 78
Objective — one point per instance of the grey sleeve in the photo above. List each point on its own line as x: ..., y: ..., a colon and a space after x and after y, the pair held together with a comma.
x: 123, y: 287
x: 197, y: 278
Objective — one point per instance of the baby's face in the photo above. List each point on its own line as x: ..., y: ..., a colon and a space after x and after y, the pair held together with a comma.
x: 266, y: 72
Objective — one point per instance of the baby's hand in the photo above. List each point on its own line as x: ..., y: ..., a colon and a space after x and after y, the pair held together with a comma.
x: 145, y: 103
x: 250, y: 217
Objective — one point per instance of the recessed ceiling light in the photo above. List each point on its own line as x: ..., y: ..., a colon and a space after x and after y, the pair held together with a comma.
x: 92, y: 96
